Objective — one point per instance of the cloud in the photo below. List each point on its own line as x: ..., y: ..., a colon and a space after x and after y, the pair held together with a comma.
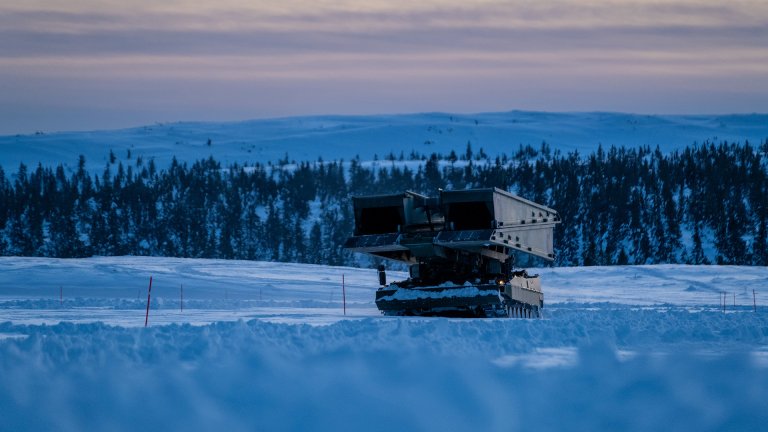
x: 292, y: 55
x: 374, y: 27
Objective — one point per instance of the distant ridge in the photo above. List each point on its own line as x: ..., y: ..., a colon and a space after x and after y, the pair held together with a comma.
x: 335, y: 137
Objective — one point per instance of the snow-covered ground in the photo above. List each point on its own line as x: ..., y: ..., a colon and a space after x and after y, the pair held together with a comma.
x: 344, y: 137
x: 266, y: 346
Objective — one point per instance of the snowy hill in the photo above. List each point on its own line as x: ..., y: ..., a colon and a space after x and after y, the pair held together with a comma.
x: 620, y: 348
x: 335, y: 137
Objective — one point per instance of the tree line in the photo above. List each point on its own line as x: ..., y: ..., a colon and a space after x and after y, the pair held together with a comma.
x: 704, y: 204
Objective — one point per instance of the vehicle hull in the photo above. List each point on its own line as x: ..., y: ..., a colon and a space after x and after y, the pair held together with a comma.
x: 521, y: 296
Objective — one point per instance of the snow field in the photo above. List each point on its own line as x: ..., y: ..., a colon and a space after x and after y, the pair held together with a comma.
x: 676, y: 369
x: 619, y: 348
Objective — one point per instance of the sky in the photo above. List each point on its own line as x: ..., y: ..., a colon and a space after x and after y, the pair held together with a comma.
x: 89, y: 64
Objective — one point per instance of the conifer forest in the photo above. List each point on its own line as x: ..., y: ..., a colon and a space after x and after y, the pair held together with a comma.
x: 705, y: 204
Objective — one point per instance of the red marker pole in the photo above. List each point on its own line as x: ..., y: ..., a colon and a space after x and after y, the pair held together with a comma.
x: 149, y: 293
x: 343, y: 294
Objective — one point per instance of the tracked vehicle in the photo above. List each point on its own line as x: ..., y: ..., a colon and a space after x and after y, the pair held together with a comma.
x: 460, y: 247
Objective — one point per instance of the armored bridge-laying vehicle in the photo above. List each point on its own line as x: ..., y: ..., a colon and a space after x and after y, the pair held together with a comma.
x: 460, y: 247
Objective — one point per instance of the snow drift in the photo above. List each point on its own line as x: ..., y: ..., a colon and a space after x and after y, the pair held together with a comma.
x: 674, y: 362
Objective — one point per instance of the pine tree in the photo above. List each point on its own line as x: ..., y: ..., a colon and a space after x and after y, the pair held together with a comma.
x: 760, y: 246
x: 315, y: 247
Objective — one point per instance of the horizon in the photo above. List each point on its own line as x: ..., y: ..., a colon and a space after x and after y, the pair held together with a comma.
x: 86, y: 66
x: 375, y: 115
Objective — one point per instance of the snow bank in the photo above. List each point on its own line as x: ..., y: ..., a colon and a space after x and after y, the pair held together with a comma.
x: 619, y: 348
x: 684, y: 371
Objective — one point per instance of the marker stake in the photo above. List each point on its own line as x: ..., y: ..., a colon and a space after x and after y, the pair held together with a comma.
x: 149, y: 294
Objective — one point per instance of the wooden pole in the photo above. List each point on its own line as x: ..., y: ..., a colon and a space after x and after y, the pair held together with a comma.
x: 343, y: 294
x: 149, y: 293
